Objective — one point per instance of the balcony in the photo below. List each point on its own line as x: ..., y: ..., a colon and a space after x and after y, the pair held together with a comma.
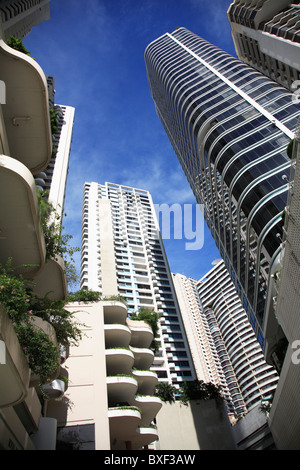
x: 150, y: 406
x: 117, y: 335
x: 144, y: 436
x: 14, y: 370
x: 21, y: 236
x: 52, y: 280
x: 114, y: 312
x: 121, y: 389
x: 129, y: 381
x: 147, y: 381
x: 26, y: 112
x: 54, y: 390
x: 123, y: 422
x: 141, y: 333
x: 48, y: 329
x: 143, y: 358
x: 119, y: 361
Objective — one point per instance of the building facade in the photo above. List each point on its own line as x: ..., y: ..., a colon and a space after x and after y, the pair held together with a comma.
x: 229, y: 126
x: 111, y: 388
x: 123, y: 255
x: 284, y: 417
x: 206, y: 345
x: 266, y: 36
x: 249, y: 378
x: 25, y: 152
x: 18, y: 17
x: 53, y: 180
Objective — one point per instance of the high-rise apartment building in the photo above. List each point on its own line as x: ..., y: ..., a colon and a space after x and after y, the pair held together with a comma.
x: 211, y: 360
x: 17, y: 17
x: 229, y: 126
x: 266, y: 35
x: 249, y: 378
x: 222, y: 341
x: 54, y: 178
x: 123, y: 255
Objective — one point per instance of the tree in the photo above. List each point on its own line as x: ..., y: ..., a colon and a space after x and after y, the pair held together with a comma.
x: 199, y: 390
x: 166, y: 392
x: 17, y: 44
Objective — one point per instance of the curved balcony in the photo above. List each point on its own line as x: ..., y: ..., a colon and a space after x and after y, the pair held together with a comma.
x: 141, y: 333
x: 117, y: 335
x: 123, y: 423
x: 54, y: 390
x: 143, y: 358
x: 144, y: 436
x: 21, y: 236
x: 47, y: 328
x: 121, y: 389
x: 26, y: 111
x: 150, y: 406
x: 147, y: 381
x: 51, y: 280
x: 119, y: 361
x: 58, y: 387
x: 114, y: 312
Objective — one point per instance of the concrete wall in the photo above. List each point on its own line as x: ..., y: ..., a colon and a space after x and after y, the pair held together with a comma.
x: 201, y: 425
x: 252, y: 432
x: 82, y: 413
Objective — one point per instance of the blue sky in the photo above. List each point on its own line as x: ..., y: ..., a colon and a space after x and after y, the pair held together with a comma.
x: 95, y: 51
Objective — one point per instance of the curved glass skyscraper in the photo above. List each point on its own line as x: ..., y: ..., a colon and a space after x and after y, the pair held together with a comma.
x: 229, y: 126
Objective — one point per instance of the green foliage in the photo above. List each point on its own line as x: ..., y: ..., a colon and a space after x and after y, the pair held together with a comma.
x: 125, y: 407
x: 13, y: 295
x: 199, y: 390
x: 166, y: 392
x: 43, y: 355
x: 152, y: 318
x: 118, y: 298
x: 57, y: 242
x: 67, y: 331
x: 21, y: 304
x: 53, y: 121
x: 17, y: 44
x: 84, y: 295
x: 71, y: 273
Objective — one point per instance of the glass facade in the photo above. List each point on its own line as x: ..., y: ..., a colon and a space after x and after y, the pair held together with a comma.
x: 229, y: 126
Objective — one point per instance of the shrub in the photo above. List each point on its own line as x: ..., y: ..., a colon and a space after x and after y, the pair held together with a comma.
x: 43, y: 355
x: 166, y: 392
x: 17, y: 44
x: 20, y: 304
x: 84, y: 295
x: 152, y: 318
x: 199, y: 390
